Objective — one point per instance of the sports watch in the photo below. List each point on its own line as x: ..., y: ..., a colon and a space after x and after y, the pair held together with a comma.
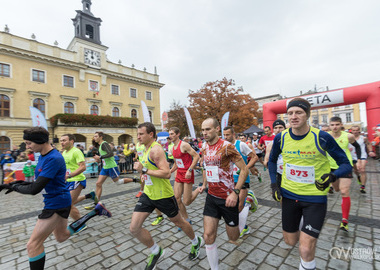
x: 144, y: 170
x: 237, y: 191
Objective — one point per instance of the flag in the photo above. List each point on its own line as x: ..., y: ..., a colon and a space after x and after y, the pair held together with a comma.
x: 189, y: 123
x: 224, y: 122
x: 145, y: 111
x: 38, y: 118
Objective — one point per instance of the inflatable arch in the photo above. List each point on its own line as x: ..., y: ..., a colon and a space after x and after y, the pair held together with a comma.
x: 368, y: 93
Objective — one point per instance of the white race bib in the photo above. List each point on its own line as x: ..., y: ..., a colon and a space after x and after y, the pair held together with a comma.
x: 212, y: 174
x: 280, y: 164
x: 300, y: 174
x: 147, y: 180
x: 179, y: 163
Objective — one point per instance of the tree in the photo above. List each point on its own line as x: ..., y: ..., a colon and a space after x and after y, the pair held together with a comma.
x: 214, y: 99
x: 177, y: 118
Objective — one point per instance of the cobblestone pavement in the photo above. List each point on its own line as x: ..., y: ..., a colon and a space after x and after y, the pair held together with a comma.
x: 107, y: 244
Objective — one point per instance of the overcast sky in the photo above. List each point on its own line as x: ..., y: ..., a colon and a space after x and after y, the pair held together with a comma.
x: 267, y: 47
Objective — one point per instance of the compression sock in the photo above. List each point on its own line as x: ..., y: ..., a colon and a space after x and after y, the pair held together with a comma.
x: 76, y: 225
x: 88, y: 196
x: 307, y: 265
x: 38, y: 262
x: 212, y: 256
x: 346, y: 205
x: 155, y: 249
x: 243, y: 215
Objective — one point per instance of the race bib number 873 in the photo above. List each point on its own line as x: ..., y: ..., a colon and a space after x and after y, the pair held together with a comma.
x: 300, y: 174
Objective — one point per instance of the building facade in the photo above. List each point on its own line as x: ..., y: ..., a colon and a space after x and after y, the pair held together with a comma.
x: 76, y: 80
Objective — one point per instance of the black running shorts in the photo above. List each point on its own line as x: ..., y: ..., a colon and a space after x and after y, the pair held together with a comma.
x: 313, y: 216
x: 168, y: 206
x: 216, y: 208
x: 63, y: 212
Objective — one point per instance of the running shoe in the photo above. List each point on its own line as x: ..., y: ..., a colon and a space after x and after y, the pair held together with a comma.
x: 251, y: 199
x: 94, y: 197
x: 259, y: 177
x: 81, y: 229
x: 362, y: 190
x: 90, y: 207
x: 158, y: 220
x: 194, y: 253
x: 102, y: 210
x: 138, y: 195
x: 244, y: 231
x: 331, y: 190
x: 343, y: 226
x: 154, y: 259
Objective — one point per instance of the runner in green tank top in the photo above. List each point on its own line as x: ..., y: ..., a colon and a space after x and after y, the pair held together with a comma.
x: 158, y: 193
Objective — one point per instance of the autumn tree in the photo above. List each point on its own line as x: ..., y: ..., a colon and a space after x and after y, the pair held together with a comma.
x: 177, y: 118
x: 214, y: 99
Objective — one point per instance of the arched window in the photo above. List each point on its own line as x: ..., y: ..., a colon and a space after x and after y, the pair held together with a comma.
x: 5, y: 144
x: 94, y: 110
x: 5, y: 106
x: 69, y: 107
x: 39, y: 104
x: 115, y: 112
x: 133, y: 113
x: 150, y: 116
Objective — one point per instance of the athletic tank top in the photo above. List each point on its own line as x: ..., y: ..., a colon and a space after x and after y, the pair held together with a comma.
x: 170, y: 151
x: 343, y: 143
x: 183, y: 160
x: 363, y: 147
x: 304, y: 161
x: 155, y: 188
x: 245, y: 158
x: 255, y: 143
x: 108, y: 163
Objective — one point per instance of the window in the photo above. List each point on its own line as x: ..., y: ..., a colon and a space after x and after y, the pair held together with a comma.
x: 68, y: 81
x: 133, y: 113
x: 4, y: 106
x: 94, y: 110
x: 348, y: 118
x: 324, y: 118
x: 115, y: 89
x: 38, y: 76
x: 148, y: 95
x: 150, y: 116
x: 133, y: 92
x: 315, y: 119
x: 115, y: 112
x: 69, y: 107
x: 5, y: 70
x: 39, y: 104
x: 5, y: 144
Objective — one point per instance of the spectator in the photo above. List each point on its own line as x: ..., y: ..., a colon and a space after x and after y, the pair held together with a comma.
x: 7, y: 158
x: 28, y: 171
x: 22, y: 157
x: 15, y: 152
x: 30, y: 154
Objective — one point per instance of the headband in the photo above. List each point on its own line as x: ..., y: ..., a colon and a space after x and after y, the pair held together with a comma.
x: 279, y: 122
x: 39, y: 138
x: 303, y: 104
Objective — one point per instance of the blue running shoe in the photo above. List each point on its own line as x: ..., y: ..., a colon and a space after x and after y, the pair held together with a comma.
x: 102, y: 210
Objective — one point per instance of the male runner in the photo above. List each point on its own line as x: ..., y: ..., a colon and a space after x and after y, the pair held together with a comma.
x: 245, y: 139
x: 364, y: 147
x: 278, y: 127
x: 170, y: 152
x: 343, y: 182
x: 50, y: 177
x: 110, y: 168
x: 158, y: 193
x: 222, y: 197
x: 306, y: 177
x: 266, y: 139
x: 185, y: 159
x: 255, y: 144
x: 247, y: 199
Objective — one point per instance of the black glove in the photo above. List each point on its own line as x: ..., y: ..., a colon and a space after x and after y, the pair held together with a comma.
x: 11, y: 186
x: 276, y: 192
x: 325, y: 181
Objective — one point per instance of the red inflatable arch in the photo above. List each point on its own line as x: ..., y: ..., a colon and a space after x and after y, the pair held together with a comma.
x: 368, y: 93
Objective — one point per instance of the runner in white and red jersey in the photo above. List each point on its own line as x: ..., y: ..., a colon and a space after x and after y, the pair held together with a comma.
x: 266, y: 139
x: 186, y: 160
x: 222, y: 198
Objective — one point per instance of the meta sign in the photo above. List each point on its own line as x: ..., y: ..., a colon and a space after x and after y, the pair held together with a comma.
x: 324, y: 98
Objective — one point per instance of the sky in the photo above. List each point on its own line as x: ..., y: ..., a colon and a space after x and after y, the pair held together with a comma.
x: 266, y: 47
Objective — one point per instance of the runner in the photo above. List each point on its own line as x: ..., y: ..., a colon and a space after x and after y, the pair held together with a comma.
x: 222, y: 197
x: 50, y: 177
x: 170, y: 152
x: 158, y: 193
x: 185, y: 161
x: 248, y: 141
x: 278, y: 127
x: 110, y: 169
x: 255, y: 143
x: 306, y: 177
x: 343, y: 182
x: 266, y: 139
x: 247, y: 199
x: 364, y: 147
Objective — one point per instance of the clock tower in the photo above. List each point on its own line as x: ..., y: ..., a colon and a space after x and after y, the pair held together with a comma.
x: 86, y: 39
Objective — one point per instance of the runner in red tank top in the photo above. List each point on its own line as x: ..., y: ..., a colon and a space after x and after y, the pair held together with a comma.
x: 185, y: 161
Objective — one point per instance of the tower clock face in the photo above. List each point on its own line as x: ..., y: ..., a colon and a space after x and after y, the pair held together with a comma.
x: 92, y: 57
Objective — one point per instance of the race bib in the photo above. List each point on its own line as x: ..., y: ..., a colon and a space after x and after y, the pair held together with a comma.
x: 180, y: 163
x: 147, y: 180
x: 235, y: 170
x: 212, y: 174
x: 103, y: 162
x: 140, y: 153
x: 300, y: 174
x: 280, y: 164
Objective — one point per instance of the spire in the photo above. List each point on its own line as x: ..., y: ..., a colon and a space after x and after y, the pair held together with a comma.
x: 86, y: 25
x: 87, y: 6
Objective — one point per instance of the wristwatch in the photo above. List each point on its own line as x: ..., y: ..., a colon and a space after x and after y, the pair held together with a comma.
x: 144, y: 170
x: 190, y: 169
x: 237, y: 191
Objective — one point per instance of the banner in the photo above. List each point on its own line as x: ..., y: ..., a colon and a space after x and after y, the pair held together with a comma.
x: 145, y: 111
x: 224, y: 122
x: 38, y: 118
x: 189, y: 123
x: 13, y: 171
